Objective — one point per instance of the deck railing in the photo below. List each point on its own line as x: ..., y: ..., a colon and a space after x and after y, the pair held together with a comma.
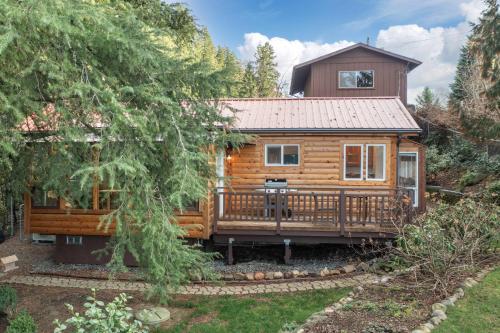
x: 335, y: 206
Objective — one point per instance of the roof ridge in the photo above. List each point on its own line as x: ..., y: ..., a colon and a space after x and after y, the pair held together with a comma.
x: 303, y: 98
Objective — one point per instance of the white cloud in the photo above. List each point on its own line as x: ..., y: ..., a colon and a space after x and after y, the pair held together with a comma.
x: 288, y: 52
x: 438, y: 47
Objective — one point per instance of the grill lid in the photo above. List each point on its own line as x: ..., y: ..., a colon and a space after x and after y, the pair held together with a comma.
x: 276, y: 182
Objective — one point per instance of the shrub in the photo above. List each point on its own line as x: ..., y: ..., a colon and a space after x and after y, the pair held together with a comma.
x: 23, y: 323
x: 449, y: 239
x: 113, y: 317
x: 8, y: 299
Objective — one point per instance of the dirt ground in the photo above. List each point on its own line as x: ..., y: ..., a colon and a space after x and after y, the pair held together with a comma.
x: 46, y: 304
x: 26, y: 252
x: 395, y: 307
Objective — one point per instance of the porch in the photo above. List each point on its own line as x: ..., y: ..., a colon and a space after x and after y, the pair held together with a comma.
x: 317, y: 212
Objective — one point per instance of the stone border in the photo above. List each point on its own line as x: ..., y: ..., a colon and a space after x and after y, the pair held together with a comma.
x: 439, y: 309
x: 258, y: 276
x: 199, y: 289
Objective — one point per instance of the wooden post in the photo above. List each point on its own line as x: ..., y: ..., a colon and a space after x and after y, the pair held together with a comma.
x: 230, y: 258
x: 278, y: 212
x: 288, y: 251
x: 342, y: 213
x: 216, y: 210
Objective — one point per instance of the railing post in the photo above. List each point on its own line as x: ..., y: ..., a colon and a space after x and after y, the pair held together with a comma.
x: 216, y: 210
x: 278, y: 212
x: 342, y: 212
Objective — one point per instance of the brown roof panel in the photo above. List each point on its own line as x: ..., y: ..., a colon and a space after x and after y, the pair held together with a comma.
x: 330, y: 114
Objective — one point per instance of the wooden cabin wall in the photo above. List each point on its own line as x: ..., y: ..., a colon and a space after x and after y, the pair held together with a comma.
x: 63, y: 221
x: 321, y: 161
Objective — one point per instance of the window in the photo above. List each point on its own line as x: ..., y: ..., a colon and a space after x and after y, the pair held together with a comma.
x: 108, y: 199
x: 375, y: 162
x: 193, y: 206
x: 44, y: 199
x: 353, y: 162
x: 356, y: 79
x: 74, y: 240
x: 280, y: 155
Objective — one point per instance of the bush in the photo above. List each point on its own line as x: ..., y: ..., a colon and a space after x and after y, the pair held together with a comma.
x: 449, y: 240
x: 113, y: 317
x: 23, y: 323
x: 8, y: 299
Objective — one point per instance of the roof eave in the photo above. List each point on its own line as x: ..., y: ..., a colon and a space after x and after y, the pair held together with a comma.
x: 330, y: 130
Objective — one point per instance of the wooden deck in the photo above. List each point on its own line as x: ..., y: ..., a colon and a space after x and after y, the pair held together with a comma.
x: 344, y: 212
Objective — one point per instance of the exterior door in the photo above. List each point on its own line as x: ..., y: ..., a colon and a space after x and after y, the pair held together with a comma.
x: 408, y: 173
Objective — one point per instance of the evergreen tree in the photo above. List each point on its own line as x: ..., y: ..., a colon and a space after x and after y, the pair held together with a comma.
x: 485, y: 45
x: 249, y: 82
x: 231, y: 67
x: 265, y: 71
x: 427, y: 101
x: 457, y: 94
x: 110, y: 102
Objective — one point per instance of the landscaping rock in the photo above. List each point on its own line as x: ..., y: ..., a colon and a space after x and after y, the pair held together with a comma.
x: 363, y: 267
x: 228, y: 277
x: 250, y: 276
x: 438, y: 306
x: 324, y: 272
x: 429, y: 326
x: 269, y: 275
x: 303, y: 274
x: 239, y: 276
x: 439, y: 314
x: 153, y: 316
x: 334, y: 272
x: 295, y: 273
x: 435, y: 321
x: 259, y: 276
x: 278, y: 275
x: 288, y: 275
x: 347, y: 269
x: 424, y: 329
x: 460, y: 292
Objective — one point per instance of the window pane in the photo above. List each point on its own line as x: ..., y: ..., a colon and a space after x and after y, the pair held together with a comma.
x: 408, y: 170
x: 376, y: 158
x: 365, y: 79
x: 291, y: 155
x: 193, y: 206
x: 347, y: 79
x: 273, y: 155
x: 353, y: 162
x: 44, y: 199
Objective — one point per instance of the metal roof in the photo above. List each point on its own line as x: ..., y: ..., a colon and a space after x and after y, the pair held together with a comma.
x: 302, y: 70
x: 329, y: 114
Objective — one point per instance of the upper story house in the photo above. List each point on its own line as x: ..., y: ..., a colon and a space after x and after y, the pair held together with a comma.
x: 336, y: 166
x: 359, y: 70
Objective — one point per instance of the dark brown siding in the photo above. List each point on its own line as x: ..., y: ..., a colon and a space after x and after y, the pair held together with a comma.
x: 390, y: 75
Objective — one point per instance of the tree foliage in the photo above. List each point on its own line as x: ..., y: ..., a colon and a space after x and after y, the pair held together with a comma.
x: 266, y: 74
x: 117, y: 106
x: 476, y: 89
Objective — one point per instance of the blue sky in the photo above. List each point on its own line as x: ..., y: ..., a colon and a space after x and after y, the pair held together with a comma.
x: 428, y: 30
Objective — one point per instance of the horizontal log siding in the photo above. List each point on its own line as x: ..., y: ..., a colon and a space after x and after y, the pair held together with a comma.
x: 321, y: 162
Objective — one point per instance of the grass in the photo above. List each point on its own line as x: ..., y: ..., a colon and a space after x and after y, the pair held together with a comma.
x: 478, y: 311
x: 253, y: 314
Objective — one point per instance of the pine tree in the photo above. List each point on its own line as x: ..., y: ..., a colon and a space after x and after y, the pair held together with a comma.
x: 458, y: 94
x: 249, y: 82
x: 231, y: 68
x: 265, y: 71
x: 427, y: 101
x: 73, y: 65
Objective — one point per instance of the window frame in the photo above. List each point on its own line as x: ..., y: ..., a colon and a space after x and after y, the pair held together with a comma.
x: 33, y: 205
x: 282, y: 158
x: 71, y: 240
x: 384, y: 159
x: 361, y: 70
x: 361, y: 162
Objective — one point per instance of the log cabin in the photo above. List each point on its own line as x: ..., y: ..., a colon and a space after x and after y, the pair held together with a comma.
x: 336, y: 165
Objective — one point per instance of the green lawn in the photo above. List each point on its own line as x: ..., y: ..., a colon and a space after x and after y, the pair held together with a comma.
x: 478, y: 311
x: 255, y: 313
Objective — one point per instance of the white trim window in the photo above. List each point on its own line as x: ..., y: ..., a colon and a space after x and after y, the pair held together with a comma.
x: 375, y: 162
x: 282, y: 155
x: 74, y: 240
x: 357, y: 79
x: 408, y: 173
x: 353, y: 162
